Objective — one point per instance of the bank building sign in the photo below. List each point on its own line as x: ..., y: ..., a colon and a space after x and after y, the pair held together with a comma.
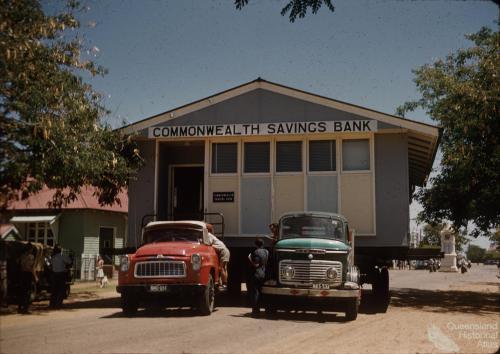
x: 284, y: 128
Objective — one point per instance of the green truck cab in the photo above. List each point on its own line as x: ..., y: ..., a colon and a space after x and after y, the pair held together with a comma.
x: 312, y: 264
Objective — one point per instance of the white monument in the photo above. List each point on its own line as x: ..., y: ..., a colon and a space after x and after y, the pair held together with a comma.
x: 449, y: 262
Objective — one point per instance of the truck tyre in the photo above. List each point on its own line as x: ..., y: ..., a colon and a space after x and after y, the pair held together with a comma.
x: 207, y: 298
x: 129, y: 303
x: 384, y: 283
x: 351, y: 312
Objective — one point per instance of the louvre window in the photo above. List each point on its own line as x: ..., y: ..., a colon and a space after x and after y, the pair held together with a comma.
x: 322, y: 155
x: 224, y: 158
x: 289, y: 156
x: 355, y: 155
x: 256, y: 157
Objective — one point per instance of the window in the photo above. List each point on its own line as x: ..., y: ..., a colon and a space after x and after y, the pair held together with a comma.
x: 289, y: 156
x: 256, y: 157
x: 224, y: 158
x: 322, y: 155
x: 41, y: 232
x: 355, y: 155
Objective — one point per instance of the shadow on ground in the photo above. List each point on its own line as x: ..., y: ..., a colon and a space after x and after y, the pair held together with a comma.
x: 425, y: 300
x: 446, y: 301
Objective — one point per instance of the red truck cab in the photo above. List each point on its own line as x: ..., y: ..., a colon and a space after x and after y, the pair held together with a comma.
x: 175, y: 266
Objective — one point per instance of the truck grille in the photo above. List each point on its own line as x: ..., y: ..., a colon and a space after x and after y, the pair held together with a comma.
x: 160, y: 269
x: 309, y: 272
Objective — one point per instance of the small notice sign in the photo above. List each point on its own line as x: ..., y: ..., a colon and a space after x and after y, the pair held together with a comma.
x: 223, y: 197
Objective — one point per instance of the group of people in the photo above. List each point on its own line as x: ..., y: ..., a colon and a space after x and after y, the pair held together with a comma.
x: 28, y: 278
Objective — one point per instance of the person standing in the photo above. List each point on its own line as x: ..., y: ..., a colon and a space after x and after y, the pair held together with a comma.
x: 100, y: 271
x: 27, y: 277
x: 258, y: 259
x: 223, y: 255
x: 59, y: 272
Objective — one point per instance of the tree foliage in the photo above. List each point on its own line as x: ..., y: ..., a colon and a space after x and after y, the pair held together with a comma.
x: 475, y: 253
x: 297, y: 8
x: 51, y: 128
x: 461, y: 94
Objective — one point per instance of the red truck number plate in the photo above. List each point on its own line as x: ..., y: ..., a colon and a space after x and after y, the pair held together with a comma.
x: 158, y: 288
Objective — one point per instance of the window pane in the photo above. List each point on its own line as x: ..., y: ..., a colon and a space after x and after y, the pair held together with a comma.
x: 289, y: 156
x: 32, y: 232
x: 224, y: 158
x: 355, y: 155
x: 322, y: 155
x: 50, y: 236
x: 256, y: 157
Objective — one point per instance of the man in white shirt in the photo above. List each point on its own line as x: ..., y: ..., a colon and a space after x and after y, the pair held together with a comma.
x: 222, y: 253
x: 59, y: 273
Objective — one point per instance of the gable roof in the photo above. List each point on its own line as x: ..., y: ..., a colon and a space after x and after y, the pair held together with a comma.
x: 423, y: 139
x: 85, y: 200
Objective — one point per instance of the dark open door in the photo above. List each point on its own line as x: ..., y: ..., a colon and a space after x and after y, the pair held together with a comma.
x: 187, y: 201
x: 106, y: 242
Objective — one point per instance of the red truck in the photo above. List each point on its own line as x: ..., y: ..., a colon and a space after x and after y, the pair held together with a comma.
x: 175, y: 266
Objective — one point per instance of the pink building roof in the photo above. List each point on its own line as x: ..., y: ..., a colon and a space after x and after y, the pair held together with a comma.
x: 85, y: 200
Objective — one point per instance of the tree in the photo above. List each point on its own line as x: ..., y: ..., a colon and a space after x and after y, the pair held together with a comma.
x: 297, y: 8
x: 461, y: 94
x: 475, y: 253
x: 51, y: 127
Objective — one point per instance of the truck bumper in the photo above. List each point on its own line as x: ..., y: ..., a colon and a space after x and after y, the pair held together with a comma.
x: 316, y: 293
x: 170, y: 288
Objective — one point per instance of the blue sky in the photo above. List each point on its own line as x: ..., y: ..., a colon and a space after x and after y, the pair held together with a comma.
x: 163, y: 54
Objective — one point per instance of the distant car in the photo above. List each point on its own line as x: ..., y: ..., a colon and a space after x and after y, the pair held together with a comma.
x: 490, y: 262
x: 421, y: 264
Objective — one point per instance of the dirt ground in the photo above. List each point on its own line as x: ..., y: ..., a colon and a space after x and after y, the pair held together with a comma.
x: 427, y: 313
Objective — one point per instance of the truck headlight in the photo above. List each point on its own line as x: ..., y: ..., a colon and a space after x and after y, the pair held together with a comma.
x: 124, y: 264
x: 196, y: 261
x: 353, y: 275
x: 288, y: 272
x: 331, y: 273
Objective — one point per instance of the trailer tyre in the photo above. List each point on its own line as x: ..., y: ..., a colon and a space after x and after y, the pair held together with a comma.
x: 351, y: 312
x: 207, y: 298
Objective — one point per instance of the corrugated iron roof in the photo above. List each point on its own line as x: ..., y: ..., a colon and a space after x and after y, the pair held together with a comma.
x: 85, y: 200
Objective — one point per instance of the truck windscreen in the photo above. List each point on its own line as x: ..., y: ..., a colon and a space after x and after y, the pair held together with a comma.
x: 172, y: 235
x: 312, y: 227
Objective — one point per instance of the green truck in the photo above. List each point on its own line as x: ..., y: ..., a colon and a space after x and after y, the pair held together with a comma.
x: 312, y: 264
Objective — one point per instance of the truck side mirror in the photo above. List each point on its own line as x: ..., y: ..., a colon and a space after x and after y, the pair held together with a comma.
x: 350, y: 237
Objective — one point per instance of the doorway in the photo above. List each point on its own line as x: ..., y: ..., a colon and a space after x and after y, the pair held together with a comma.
x: 106, y: 237
x: 186, y: 192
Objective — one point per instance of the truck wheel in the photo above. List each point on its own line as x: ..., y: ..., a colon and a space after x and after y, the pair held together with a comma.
x: 351, y: 312
x: 384, y: 283
x: 207, y: 299
x: 129, y: 304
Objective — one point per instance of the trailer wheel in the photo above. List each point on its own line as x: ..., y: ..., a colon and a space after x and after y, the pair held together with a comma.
x: 351, y: 312
x: 384, y: 283
x: 129, y: 304
x: 207, y: 298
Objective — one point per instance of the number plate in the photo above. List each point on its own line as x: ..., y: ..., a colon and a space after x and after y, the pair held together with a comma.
x: 158, y: 288
x: 321, y: 286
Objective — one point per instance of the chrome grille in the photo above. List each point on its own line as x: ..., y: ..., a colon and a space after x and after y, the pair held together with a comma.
x: 160, y: 269
x: 309, y: 272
